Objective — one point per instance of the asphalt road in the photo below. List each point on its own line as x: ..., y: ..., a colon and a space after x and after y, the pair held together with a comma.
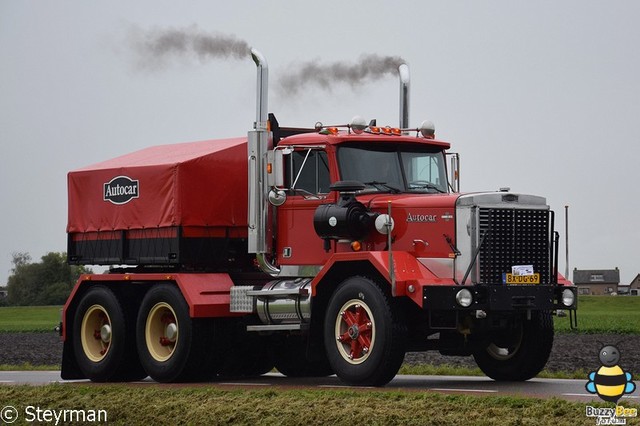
x: 573, y: 390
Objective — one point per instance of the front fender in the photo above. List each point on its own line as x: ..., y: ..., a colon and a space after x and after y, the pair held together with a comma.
x: 409, y: 274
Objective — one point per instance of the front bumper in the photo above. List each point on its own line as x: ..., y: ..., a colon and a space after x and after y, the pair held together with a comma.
x: 499, y: 297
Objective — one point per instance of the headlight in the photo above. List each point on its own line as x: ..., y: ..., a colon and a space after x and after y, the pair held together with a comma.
x: 568, y: 297
x: 464, y: 298
x: 383, y: 223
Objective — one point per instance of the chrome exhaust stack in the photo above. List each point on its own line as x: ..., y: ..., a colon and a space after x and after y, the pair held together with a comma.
x: 258, y: 144
x: 262, y: 88
x: 403, y: 73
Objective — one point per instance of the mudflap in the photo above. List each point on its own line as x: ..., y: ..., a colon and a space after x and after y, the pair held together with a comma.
x: 70, y: 369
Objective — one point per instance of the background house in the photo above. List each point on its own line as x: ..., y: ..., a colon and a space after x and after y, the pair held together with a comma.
x: 597, y: 281
x: 634, y: 286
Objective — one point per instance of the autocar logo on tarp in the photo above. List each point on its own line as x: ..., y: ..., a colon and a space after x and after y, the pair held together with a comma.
x: 121, y: 190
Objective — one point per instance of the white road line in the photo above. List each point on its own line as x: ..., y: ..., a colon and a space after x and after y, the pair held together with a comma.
x: 245, y: 384
x: 593, y: 395
x: 346, y: 387
x: 463, y: 390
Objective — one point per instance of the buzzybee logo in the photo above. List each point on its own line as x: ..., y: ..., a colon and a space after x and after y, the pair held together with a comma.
x: 610, y: 382
x: 121, y: 190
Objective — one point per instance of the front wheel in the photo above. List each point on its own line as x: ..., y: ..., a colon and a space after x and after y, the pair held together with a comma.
x: 521, y: 355
x: 365, y: 338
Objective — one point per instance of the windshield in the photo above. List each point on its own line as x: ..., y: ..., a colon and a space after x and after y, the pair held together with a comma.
x: 394, y: 168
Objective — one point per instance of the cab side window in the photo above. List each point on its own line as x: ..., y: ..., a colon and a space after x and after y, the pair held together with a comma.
x: 308, y: 171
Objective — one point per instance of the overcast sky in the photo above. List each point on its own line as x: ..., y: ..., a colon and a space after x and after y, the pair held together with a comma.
x: 542, y: 97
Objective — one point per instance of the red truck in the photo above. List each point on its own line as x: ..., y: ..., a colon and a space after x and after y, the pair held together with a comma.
x: 330, y: 250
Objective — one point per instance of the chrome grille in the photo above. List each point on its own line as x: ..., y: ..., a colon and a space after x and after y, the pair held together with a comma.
x: 513, y: 237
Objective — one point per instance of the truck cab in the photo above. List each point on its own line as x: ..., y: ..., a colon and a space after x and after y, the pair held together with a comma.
x: 401, y: 169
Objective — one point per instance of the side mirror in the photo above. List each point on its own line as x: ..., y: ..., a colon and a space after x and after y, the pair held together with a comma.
x: 275, y: 168
x: 275, y: 177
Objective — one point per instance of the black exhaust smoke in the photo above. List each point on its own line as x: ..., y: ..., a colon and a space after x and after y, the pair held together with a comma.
x: 325, y: 76
x: 154, y: 48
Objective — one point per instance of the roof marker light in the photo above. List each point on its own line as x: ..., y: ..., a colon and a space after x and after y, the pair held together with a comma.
x: 329, y: 131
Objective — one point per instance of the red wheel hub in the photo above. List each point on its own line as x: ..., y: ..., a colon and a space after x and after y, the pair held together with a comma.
x: 358, y: 332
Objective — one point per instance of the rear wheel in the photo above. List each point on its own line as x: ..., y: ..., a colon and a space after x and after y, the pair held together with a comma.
x: 365, y: 338
x: 103, y: 338
x: 172, y: 345
x: 522, y: 354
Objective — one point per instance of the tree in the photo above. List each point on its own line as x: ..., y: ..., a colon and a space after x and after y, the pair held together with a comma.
x: 48, y: 282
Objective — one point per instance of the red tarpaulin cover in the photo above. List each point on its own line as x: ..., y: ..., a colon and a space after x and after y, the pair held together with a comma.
x: 189, y: 184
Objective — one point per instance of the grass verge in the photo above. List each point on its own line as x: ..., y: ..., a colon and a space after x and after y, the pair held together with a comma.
x: 212, y: 405
x: 604, y: 315
x: 28, y: 367
x: 29, y: 318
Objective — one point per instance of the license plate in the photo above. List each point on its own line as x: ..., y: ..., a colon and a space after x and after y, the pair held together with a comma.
x: 521, y: 279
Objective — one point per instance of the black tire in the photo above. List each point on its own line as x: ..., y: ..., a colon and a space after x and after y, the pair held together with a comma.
x: 523, y: 355
x: 104, y: 338
x: 172, y: 345
x: 373, y: 355
x: 292, y: 360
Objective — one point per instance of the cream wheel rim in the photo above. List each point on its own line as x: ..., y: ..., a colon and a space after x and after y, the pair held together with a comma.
x: 95, y: 333
x: 161, y: 332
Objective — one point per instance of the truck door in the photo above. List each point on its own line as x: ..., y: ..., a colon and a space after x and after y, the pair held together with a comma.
x: 307, y: 181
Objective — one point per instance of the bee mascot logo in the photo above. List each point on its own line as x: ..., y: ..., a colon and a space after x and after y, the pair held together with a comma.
x: 610, y: 382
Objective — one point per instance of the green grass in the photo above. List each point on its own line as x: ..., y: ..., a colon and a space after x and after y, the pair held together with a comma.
x: 605, y: 315
x: 439, y: 370
x: 29, y: 318
x: 216, y: 404
x: 26, y: 366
